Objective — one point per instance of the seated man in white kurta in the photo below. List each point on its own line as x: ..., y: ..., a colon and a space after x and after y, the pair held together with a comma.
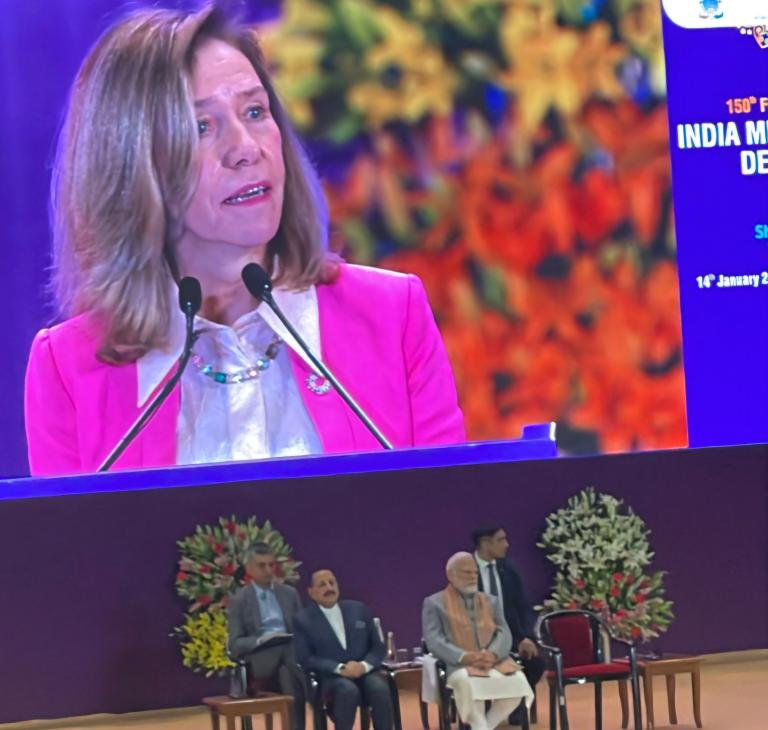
x: 466, y: 630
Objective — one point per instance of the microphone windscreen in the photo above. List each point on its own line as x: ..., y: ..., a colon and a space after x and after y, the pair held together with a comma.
x: 190, y: 294
x: 257, y: 281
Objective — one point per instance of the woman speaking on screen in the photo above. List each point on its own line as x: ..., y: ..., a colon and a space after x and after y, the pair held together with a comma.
x: 177, y: 160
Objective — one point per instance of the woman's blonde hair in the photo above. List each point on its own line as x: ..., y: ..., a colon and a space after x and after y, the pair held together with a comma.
x: 125, y: 159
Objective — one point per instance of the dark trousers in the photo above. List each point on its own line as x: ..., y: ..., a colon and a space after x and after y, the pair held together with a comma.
x: 533, y: 668
x: 280, y: 662
x: 347, y: 695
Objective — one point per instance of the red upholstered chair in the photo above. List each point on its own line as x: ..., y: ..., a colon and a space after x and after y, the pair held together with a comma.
x: 573, y: 641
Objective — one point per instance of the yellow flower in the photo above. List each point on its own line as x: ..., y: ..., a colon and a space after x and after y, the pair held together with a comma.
x: 204, y: 642
x: 295, y: 58
x: 461, y: 13
x: 640, y: 27
x: 556, y: 67
x: 523, y: 19
x: 542, y: 77
x: 407, y: 77
x: 306, y: 15
x: 596, y: 63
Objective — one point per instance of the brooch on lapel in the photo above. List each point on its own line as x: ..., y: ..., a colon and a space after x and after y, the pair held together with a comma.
x: 318, y: 384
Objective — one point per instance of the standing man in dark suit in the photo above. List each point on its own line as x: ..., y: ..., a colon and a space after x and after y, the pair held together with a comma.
x: 340, y: 642
x: 259, y: 609
x: 500, y: 579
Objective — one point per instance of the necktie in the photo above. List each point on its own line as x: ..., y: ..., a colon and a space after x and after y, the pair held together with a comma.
x: 492, y: 583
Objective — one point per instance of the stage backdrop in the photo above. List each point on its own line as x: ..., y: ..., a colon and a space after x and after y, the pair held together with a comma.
x: 513, y: 153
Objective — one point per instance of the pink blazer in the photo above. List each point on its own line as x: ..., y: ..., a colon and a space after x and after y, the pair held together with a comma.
x: 378, y: 336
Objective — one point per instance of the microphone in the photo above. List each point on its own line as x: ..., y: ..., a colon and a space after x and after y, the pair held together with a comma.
x: 258, y: 284
x: 190, y: 299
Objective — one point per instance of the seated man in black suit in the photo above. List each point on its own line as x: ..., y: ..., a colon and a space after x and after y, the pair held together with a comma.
x: 499, y: 578
x: 258, y: 610
x: 340, y: 642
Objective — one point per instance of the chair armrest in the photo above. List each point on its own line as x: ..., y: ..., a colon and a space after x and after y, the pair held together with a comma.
x: 553, y: 650
x: 313, y: 682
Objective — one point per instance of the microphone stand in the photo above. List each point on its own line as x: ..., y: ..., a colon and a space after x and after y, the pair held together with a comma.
x: 266, y: 295
x: 159, y: 399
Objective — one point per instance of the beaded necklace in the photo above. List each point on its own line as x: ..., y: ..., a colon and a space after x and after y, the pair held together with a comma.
x: 239, y: 376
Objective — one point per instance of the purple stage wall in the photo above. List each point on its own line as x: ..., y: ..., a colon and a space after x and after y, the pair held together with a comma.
x: 87, y: 580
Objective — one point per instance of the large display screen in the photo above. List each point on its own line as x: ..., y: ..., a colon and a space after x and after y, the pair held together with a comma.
x: 717, y: 74
x: 513, y: 154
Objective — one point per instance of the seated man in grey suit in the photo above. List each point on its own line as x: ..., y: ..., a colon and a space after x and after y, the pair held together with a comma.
x: 466, y: 630
x: 262, y: 608
x: 340, y: 642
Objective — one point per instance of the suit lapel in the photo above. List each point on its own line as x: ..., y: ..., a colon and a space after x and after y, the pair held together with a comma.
x: 346, y: 614
x: 479, y: 577
x: 325, y: 625
x: 252, y: 605
x: 284, y: 602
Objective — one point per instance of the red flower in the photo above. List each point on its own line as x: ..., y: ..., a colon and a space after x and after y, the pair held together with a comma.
x: 597, y: 604
x: 204, y: 600
x: 640, y: 598
x: 230, y: 527
x: 580, y: 583
x: 615, y: 592
x: 630, y: 579
x: 205, y: 569
x: 635, y: 633
x: 621, y: 613
x: 618, y: 577
x: 572, y: 604
x: 228, y: 569
x: 218, y: 548
x: 181, y: 576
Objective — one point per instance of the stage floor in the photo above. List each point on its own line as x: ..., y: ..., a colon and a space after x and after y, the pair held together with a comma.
x: 733, y: 697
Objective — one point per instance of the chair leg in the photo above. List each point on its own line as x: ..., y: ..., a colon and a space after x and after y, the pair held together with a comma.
x: 598, y: 706
x: 637, y: 715
x: 268, y: 721
x: 624, y: 702
x: 552, y: 707
x: 365, y: 717
x: 523, y: 710
x: 424, y: 712
x: 394, y: 697
x: 563, y: 710
x: 319, y: 718
x: 247, y: 724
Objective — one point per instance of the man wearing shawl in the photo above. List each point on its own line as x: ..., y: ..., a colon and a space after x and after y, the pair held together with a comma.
x: 466, y: 630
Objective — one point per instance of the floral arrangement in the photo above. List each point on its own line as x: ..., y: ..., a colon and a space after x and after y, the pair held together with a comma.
x: 601, y: 550
x: 514, y: 155
x: 211, y: 569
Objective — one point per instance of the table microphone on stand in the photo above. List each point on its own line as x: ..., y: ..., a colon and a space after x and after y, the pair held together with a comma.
x: 190, y: 299
x: 259, y: 285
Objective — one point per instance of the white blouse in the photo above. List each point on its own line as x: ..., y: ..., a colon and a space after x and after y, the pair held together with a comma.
x: 254, y: 419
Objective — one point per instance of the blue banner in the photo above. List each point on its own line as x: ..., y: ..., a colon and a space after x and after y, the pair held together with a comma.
x: 717, y: 76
